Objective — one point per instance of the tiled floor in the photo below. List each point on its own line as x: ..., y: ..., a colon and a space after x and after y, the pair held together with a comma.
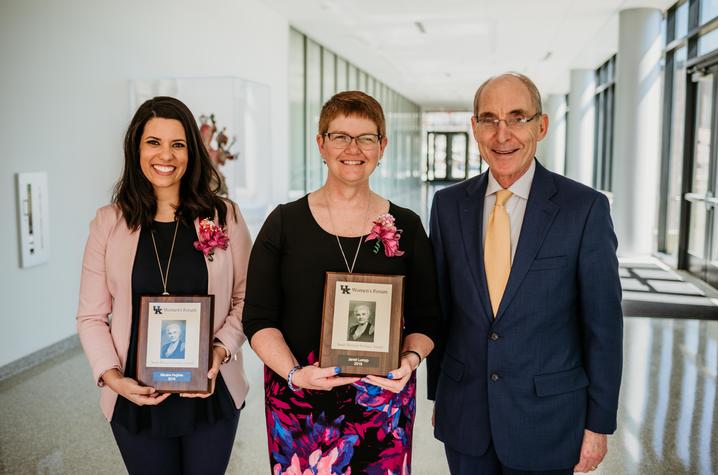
x: 668, y: 424
x: 50, y: 421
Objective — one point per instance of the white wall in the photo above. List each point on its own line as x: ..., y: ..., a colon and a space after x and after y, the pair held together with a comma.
x: 64, y: 107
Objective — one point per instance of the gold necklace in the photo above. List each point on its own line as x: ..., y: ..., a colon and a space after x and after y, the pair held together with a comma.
x: 165, y: 275
x: 341, y: 248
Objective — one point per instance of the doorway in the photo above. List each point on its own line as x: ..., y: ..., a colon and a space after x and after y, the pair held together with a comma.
x: 702, y: 196
x: 447, y: 157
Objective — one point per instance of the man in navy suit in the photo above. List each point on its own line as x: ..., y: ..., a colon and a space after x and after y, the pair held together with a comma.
x: 529, y: 382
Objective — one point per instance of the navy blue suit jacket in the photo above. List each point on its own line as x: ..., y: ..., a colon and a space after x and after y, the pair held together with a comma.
x: 549, y: 365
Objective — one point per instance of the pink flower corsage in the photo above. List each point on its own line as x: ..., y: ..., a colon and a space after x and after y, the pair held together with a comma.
x: 211, y: 237
x: 386, y: 235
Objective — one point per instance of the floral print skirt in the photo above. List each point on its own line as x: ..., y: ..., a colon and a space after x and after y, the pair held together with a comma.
x: 359, y: 428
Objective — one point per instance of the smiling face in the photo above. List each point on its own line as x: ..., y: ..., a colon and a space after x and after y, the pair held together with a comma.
x: 163, y: 154
x: 350, y: 165
x: 362, y: 314
x: 508, y: 152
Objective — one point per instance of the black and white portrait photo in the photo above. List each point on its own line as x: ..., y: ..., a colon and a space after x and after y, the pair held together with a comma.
x: 173, y: 339
x: 361, y: 316
x: 361, y: 321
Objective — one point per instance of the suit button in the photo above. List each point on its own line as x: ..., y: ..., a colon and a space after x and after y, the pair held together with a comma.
x: 495, y: 377
x: 494, y: 336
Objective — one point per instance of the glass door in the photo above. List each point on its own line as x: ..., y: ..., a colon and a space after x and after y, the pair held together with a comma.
x: 703, y: 215
x: 447, y: 157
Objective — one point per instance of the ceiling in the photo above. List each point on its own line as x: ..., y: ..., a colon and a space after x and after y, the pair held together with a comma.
x: 436, y: 53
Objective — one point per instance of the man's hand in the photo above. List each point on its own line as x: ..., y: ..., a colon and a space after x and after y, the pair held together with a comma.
x: 593, y: 449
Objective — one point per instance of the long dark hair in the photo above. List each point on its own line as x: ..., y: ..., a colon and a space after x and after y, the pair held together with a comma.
x: 198, y: 196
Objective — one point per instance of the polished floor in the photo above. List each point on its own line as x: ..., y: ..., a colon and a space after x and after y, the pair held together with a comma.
x: 50, y: 422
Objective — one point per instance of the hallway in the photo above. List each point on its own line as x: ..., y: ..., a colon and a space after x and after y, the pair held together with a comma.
x: 668, y: 421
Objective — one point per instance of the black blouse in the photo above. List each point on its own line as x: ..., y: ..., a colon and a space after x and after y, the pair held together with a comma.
x: 175, y: 416
x: 285, y: 280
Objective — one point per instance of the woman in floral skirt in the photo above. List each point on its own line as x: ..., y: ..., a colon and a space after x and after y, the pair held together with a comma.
x: 317, y: 420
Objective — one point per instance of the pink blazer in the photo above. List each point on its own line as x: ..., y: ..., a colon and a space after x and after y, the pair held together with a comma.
x: 104, y: 315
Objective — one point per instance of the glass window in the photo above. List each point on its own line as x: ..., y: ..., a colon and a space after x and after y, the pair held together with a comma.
x: 313, y: 162
x: 341, y: 75
x: 709, y: 10
x: 352, y: 80
x: 361, y: 85
x: 682, y: 21
x: 603, y: 143
x: 371, y: 86
x: 315, y: 74
x: 381, y: 95
x: 296, y: 112
x: 675, y: 165
x: 328, y: 82
x: 700, y: 184
x: 708, y: 42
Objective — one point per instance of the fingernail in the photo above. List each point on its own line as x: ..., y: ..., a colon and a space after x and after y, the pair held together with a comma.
x: 390, y: 376
x: 337, y: 370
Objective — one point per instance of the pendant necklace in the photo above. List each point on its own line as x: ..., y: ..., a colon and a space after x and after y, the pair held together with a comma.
x: 341, y: 248
x: 166, y: 273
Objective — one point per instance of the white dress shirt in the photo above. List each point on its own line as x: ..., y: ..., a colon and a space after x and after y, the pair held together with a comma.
x: 515, y: 206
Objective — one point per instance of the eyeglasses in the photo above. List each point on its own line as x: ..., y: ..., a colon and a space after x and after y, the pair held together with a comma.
x: 342, y: 141
x: 512, y: 123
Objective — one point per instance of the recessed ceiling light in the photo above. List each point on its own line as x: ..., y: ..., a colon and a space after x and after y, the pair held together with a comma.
x: 420, y: 27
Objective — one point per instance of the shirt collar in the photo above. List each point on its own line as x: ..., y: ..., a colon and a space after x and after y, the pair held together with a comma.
x: 520, y: 188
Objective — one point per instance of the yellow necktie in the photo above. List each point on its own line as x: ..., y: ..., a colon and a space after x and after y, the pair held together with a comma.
x: 497, y: 249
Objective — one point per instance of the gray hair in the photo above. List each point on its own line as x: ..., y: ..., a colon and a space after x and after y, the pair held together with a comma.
x: 533, y: 90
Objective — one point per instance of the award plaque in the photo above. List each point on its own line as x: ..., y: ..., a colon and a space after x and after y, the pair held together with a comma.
x: 175, y: 342
x: 362, y: 323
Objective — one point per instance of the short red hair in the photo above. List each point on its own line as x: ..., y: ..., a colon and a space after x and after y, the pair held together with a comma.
x: 354, y: 103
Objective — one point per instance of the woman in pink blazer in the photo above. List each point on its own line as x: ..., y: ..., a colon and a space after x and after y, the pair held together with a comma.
x: 143, y: 243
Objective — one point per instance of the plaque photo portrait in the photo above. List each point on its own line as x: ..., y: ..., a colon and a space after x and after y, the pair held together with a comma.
x: 362, y: 316
x: 173, y: 335
x: 361, y: 321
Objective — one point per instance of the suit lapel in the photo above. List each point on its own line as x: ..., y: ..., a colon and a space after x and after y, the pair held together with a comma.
x: 539, y: 215
x: 471, y: 213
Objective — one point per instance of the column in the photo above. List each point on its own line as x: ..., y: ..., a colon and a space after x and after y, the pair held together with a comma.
x: 552, y: 149
x: 636, y: 147
x: 581, y: 120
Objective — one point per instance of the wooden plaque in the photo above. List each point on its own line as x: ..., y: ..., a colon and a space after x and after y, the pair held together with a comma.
x: 362, y: 323
x: 175, y: 342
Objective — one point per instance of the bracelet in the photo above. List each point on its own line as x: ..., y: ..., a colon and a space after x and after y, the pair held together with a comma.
x: 416, y: 353
x: 289, y: 378
x: 227, y: 354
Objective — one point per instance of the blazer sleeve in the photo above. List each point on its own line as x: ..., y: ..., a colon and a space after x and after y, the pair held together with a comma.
x: 601, y: 317
x: 95, y: 305
x: 433, y: 361
x: 231, y: 333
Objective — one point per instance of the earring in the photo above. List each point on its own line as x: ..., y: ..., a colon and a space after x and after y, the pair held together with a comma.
x: 378, y: 164
x: 324, y: 161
